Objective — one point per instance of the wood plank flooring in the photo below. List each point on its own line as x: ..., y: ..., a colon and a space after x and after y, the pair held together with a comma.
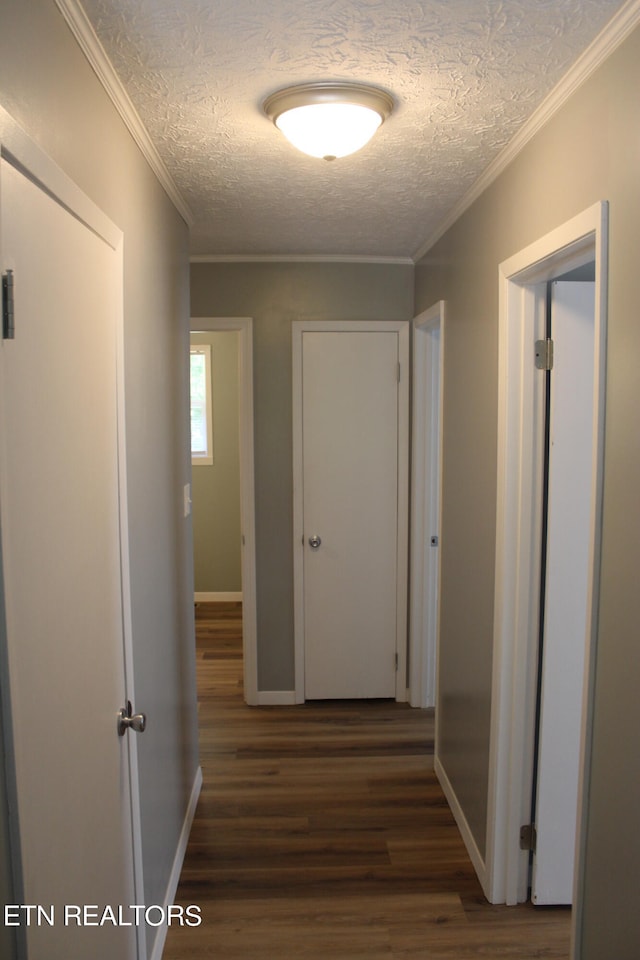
x: 322, y: 834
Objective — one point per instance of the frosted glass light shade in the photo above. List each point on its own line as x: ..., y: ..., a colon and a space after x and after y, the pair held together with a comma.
x: 329, y: 120
x: 329, y: 129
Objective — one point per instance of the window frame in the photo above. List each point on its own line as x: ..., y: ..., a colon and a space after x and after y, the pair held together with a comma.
x: 206, y: 458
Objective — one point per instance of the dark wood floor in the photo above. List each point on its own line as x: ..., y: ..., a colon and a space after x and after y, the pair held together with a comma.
x: 322, y: 834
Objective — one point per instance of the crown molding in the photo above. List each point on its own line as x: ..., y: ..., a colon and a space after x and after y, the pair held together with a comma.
x: 615, y: 32
x: 295, y: 258
x: 83, y: 31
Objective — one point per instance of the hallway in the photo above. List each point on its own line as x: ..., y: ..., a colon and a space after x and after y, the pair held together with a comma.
x: 322, y: 833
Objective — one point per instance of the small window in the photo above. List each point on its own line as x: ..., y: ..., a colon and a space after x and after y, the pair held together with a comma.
x: 201, y: 426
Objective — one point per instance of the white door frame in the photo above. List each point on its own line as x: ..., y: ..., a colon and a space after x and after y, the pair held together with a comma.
x: 374, y: 326
x: 522, y: 280
x: 426, y: 484
x: 21, y: 151
x: 244, y: 327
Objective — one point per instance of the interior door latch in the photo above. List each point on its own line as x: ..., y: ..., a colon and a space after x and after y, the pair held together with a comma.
x: 128, y: 720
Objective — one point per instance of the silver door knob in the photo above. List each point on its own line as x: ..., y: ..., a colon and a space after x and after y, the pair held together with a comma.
x: 128, y: 720
x: 315, y: 541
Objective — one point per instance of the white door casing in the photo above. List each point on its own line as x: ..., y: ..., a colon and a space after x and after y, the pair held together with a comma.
x: 522, y: 282
x: 566, y: 591
x: 350, y: 489
x: 65, y: 557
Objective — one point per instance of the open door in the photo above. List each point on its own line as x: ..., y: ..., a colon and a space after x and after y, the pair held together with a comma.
x: 62, y: 550
x: 565, y: 588
x: 506, y: 871
x: 426, y: 481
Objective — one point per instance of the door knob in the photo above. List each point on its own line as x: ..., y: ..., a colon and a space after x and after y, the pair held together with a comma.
x: 127, y: 719
x: 315, y: 541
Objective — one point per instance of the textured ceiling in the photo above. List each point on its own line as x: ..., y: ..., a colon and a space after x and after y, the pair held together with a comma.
x: 465, y: 76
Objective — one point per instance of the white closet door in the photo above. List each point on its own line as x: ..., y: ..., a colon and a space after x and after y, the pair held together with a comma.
x: 350, y: 480
x: 61, y: 572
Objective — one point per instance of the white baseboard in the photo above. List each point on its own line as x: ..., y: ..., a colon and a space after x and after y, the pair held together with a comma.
x: 276, y: 698
x: 467, y: 836
x: 178, y: 860
x: 229, y: 597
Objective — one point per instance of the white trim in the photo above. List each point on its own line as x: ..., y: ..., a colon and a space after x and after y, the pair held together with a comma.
x: 404, y: 439
x: 613, y: 34
x: 244, y: 327
x: 461, y: 821
x: 18, y: 149
x: 298, y: 517
x: 581, y: 240
x: 426, y: 484
x: 295, y: 258
x: 87, y: 39
x: 217, y: 597
x: 276, y: 698
x: 178, y: 860
x: 402, y: 327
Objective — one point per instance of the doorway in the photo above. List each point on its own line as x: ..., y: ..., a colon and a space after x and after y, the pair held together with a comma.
x: 523, y: 295
x: 350, y: 401
x: 215, y: 466
x: 243, y: 327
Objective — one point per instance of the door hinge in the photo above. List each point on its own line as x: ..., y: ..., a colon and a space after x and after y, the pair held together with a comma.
x: 396, y: 662
x: 528, y: 837
x: 399, y: 373
x: 8, y: 332
x: 544, y: 354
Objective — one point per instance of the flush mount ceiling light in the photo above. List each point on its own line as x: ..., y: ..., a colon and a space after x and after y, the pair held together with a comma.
x: 329, y: 120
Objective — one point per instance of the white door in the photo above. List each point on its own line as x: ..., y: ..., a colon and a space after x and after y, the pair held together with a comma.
x: 426, y: 419
x: 569, y: 512
x: 59, y: 510
x: 350, y: 417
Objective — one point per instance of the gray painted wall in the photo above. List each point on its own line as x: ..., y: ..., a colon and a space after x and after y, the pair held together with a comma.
x: 587, y: 152
x: 275, y: 294
x: 216, y: 487
x: 65, y: 110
